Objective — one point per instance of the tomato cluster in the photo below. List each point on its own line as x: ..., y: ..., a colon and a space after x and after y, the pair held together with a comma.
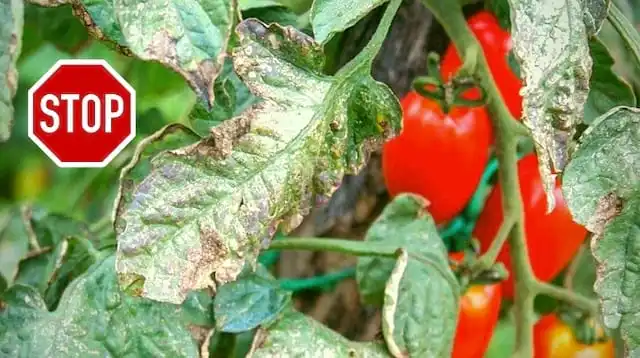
x: 441, y: 155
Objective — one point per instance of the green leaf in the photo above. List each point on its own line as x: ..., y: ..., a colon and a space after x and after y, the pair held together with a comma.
x: 56, y: 25
x: 11, y: 19
x: 93, y: 319
x: 601, y: 186
x: 296, y: 335
x: 405, y: 223
x: 595, y: 12
x: 329, y: 17
x: 419, y: 284
x: 419, y: 287
x: 244, y: 5
x: 14, y: 243
x: 100, y: 19
x: 232, y: 97
x: 212, y: 206
x: 278, y: 14
x: 188, y: 36
x: 607, y: 89
x: 500, y: 8
x: 253, y: 300
x: 550, y: 41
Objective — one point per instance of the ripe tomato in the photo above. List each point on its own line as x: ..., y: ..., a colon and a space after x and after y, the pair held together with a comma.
x: 496, y: 44
x: 553, y: 338
x: 438, y: 156
x: 479, y: 311
x: 552, y: 240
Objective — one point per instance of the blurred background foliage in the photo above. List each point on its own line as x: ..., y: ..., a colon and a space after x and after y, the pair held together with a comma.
x: 26, y: 174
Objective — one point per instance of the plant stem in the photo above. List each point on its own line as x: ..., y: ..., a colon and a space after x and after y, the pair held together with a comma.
x: 356, y: 248
x: 568, y: 296
x: 489, y: 257
x: 450, y: 16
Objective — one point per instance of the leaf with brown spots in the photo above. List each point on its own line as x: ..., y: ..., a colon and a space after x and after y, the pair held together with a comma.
x: 550, y: 40
x: 206, y: 209
x: 602, y: 187
x: 188, y: 36
x: 11, y: 19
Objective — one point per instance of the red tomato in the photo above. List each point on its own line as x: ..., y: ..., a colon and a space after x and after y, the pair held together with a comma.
x: 552, y: 240
x: 438, y: 156
x: 479, y: 311
x: 553, y: 338
x: 496, y: 44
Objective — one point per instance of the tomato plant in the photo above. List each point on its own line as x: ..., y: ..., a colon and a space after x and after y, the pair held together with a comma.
x: 440, y: 156
x: 552, y: 239
x: 554, y: 338
x: 255, y: 123
x: 496, y: 44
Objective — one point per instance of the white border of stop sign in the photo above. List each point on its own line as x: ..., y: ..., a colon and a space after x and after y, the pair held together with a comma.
x: 132, y: 116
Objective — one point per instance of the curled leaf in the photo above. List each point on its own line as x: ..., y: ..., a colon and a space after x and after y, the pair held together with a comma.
x: 602, y: 188
x: 550, y: 39
x: 212, y: 206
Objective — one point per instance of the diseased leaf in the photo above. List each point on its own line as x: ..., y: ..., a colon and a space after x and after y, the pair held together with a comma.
x: 607, y: 89
x: 14, y: 244
x: 329, y: 17
x: 188, y: 36
x: 255, y: 299
x: 550, y: 41
x: 420, y: 284
x: 11, y: 20
x: 232, y: 97
x: 212, y: 206
x: 595, y: 12
x: 601, y: 186
x: 296, y: 335
x: 404, y: 222
x: 99, y: 17
x: 281, y: 15
x: 93, y: 319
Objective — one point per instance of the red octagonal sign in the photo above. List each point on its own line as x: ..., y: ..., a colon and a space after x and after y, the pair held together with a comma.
x: 82, y: 113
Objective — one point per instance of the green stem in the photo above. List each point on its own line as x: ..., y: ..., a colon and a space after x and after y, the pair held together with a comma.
x: 628, y: 33
x: 356, y: 248
x: 449, y: 15
x: 491, y: 255
x: 563, y: 294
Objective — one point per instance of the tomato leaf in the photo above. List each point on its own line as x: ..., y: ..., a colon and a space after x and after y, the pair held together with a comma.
x: 212, y: 206
x: 550, y: 41
x: 310, y: 336
x: 190, y: 37
x: 93, y: 318
x: 418, y: 284
x: 232, y: 97
x: 607, y: 89
x: 403, y: 223
x: 329, y: 17
x: 601, y: 187
x: 244, y: 5
x: 14, y: 244
x: 254, y: 299
x: 11, y: 20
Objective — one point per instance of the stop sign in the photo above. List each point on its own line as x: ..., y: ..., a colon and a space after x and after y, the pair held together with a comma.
x: 82, y: 113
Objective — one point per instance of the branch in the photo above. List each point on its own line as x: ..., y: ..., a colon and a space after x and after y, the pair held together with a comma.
x: 491, y: 255
x: 356, y: 248
x: 450, y: 16
x: 563, y: 294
